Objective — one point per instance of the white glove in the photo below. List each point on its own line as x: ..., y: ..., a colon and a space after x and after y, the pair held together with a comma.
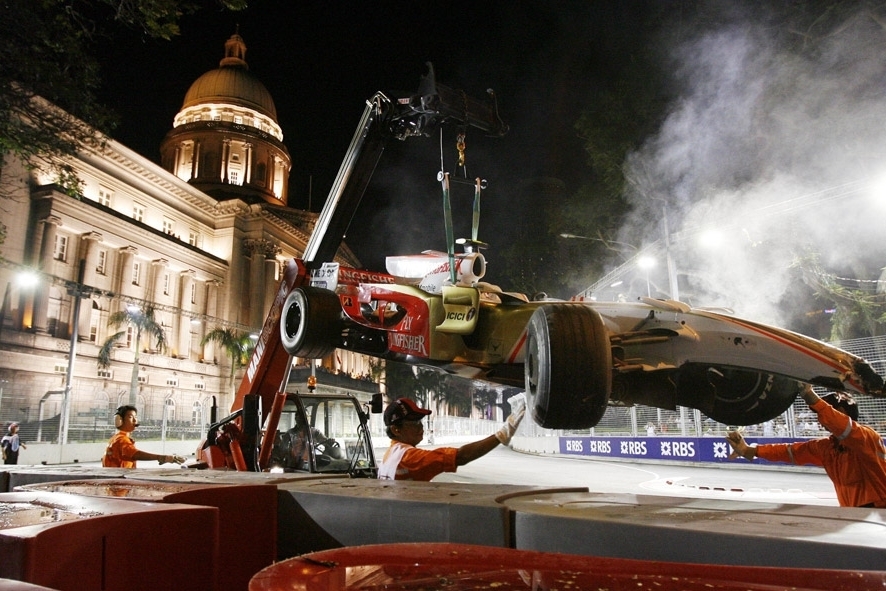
x: 510, y: 427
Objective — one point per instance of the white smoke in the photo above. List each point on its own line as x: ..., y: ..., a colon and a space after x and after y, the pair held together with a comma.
x: 773, y: 145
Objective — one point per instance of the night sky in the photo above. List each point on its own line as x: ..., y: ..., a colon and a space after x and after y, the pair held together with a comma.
x: 321, y: 61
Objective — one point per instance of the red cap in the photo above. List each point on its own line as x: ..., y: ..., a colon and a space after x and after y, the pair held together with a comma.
x: 404, y: 409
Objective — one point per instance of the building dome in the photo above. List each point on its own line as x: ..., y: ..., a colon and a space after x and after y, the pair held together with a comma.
x: 226, y: 140
x: 231, y: 83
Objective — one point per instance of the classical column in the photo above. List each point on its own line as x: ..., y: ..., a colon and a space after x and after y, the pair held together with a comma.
x: 211, y: 312
x: 270, y: 284
x: 194, y: 153
x: 256, y: 283
x: 226, y: 155
x: 247, y: 166
x: 159, y: 269
x: 92, y: 240
x: 41, y: 291
x: 183, y: 344
x: 176, y: 159
x: 261, y: 252
x: 123, y: 280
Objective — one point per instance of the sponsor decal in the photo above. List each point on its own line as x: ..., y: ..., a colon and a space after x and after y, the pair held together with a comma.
x: 686, y: 449
x: 632, y: 448
x: 677, y: 449
x: 466, y: 316
x: 413, y: 344
x: 326, y: 276
x: 355, y: 276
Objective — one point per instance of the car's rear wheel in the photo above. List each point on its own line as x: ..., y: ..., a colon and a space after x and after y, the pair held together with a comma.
x: 309, y: 323
x: 734, y: 396
x: 568, y: 367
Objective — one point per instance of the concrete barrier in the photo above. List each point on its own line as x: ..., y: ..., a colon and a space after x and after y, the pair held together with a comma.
x: 352, y: 513
x: 700, y: 530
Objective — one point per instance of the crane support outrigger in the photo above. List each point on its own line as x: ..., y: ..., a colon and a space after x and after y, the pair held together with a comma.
x: 233, y: 442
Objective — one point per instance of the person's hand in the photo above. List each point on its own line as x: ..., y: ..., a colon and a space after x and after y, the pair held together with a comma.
x: 740, y: 448
x: 507, y: 430
x: 173, y: 459
x: 809, y: 395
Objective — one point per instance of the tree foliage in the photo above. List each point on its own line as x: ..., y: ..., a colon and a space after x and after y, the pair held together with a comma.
x: 46, y: 51
x: 143, y: 323
x: 238, y: 346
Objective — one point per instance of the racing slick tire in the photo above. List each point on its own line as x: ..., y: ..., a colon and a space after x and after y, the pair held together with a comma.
x: 309, y: 322
x: 735, y: 396
x: 568, y: 367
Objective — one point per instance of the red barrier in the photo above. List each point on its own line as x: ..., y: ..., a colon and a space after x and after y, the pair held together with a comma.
x: 72, y: 542
x: 395, y: 567
x: 247, y: 517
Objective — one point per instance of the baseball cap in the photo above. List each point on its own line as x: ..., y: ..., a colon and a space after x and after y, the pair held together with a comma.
x: 842, y: 402
x: 404, y: 409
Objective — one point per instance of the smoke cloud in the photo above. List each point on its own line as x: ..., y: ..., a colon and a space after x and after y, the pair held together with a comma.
x: 774, y: 141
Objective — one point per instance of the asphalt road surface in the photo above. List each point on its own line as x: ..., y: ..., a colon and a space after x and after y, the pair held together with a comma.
x: 738, y: 480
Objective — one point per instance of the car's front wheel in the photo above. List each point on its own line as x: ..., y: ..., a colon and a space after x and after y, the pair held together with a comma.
x: 309, y: 322
x: 568, y: 367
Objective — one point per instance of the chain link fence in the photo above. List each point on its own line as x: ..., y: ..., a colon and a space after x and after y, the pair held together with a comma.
x: 92, y: 416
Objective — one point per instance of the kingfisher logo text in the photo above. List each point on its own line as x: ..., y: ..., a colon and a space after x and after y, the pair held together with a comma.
x: 410, y: 343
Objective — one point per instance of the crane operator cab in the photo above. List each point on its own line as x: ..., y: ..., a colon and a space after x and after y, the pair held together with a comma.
x: 325, y: 434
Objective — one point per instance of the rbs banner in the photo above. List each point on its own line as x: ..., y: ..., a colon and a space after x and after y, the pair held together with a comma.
x: 693, y: 449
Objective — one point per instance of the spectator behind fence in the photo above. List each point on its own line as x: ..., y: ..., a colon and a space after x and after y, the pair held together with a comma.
x: 121, y: 451
x: 853, y: 456
x: 11, y: 444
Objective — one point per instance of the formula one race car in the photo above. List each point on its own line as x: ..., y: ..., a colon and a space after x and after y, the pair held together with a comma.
x: 573, y: 357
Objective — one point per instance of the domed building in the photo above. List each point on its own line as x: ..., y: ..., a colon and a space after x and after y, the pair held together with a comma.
x: 200, y: 239
x: 225, y: 140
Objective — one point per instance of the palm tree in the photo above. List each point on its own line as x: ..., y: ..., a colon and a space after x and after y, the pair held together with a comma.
x: 237, y: 344
x: 143, y: 322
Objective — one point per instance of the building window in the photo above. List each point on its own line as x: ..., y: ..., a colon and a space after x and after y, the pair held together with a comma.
x: 194, y: 238
x: 136, y: 273
x: 102, y: 262
x: 130, y: 336
x: 166, y: 284
x: 104, y: 196
x: 138, y: 212
x: 168, y: 226
x: 233, y: 177
x: 238, y: 119
x: 60, y: 251
x: 197, y: 413
x: 170, y: 410
x: 216, y: 117
x: 194, y: 293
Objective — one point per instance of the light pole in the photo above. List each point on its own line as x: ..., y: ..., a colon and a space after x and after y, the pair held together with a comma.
x: 78, y: 291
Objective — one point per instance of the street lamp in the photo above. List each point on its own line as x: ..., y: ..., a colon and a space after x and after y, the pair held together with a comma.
x: 646, y: 262
x: 23, y: 280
